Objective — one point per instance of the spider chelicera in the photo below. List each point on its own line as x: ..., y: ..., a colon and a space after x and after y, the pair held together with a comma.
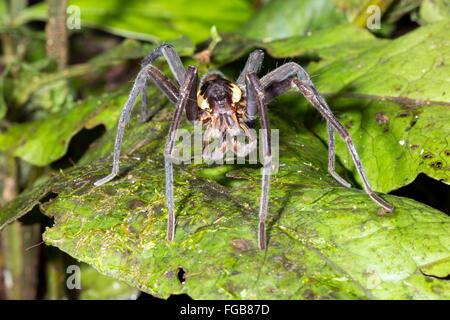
x: 226, y: 107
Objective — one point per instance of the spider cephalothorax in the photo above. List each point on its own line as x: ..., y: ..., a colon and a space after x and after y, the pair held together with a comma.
x: 223, y: 112
x: 225, y: 108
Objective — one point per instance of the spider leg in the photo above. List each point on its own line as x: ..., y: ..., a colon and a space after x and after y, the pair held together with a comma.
x: 275, y: 88
x: 187, y: 96
x: 175, y: 65
x: 332, y: 157
x: 166, y: 86
x: 144, y: 105
x: 309, y: 91
x: 255, y: 98
x: 123, y: 121
x: 253, y: 63
x: 172, y: 58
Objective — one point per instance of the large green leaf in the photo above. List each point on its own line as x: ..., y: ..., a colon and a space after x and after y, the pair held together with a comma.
x: 285, y: 18
x: 329, y: 44
x: 407, y: 95
x: 325, y: 241
x: 156, y: 20
x: 42, y: 142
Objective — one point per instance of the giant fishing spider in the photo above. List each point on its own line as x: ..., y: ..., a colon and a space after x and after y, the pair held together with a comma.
x: 226, y: 107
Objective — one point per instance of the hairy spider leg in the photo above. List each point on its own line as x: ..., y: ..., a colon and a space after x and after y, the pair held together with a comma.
x: 175, y: 65
x: 255, y: 97
x: 161, y: 80
x: 278, y: 84
x: 279, y: 78
x: 332, y: 156
x: 253, y: 64
x: 187, y: 98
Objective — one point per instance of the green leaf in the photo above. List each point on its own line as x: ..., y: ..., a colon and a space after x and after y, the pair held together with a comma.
x: 4, y: 17
x: 433, y: 11
x: 285, y: 18
x: 156, y: 20
x: 406, y: 95
x: 44, y: 141
x: 40, y: 144
x: 325, y: 241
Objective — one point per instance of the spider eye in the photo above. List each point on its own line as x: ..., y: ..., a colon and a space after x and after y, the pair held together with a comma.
x: 237, y: 93
x: 201, y: 101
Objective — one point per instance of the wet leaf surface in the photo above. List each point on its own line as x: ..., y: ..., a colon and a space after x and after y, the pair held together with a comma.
x: 396, y: 104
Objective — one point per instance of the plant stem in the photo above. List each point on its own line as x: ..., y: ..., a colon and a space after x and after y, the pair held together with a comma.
x: 57, y: 49
x: 11, y: 236
x: 55, y: 275
x: 56, y: 31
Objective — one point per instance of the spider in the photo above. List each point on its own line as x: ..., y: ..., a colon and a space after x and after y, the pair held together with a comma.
x: 224, y: 107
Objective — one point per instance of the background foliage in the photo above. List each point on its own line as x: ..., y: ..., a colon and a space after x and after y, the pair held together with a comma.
x: 60, y: 101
